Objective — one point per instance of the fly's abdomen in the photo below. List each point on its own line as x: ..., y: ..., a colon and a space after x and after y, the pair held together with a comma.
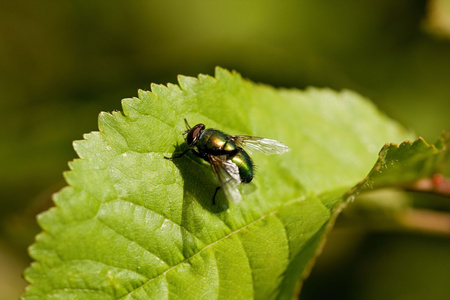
x: 244, y: 164
x: 216, y: 142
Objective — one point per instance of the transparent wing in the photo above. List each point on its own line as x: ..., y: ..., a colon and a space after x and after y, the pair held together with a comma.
x: 227, y: 174
x: 263, y: 145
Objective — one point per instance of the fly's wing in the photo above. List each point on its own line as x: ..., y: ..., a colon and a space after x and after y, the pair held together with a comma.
x: 227, y: 174
x: 263, y: 145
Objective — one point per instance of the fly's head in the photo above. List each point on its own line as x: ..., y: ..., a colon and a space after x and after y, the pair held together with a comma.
x: 193, y: 134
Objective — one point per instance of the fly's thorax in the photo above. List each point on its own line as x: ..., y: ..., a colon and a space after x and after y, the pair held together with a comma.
x: 216, y: 142
x: 245, y: 165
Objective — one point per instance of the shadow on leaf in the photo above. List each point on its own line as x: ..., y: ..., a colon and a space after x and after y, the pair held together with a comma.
x: 199, y: 181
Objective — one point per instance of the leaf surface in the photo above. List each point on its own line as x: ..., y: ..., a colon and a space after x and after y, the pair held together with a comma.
x: 132, y: 225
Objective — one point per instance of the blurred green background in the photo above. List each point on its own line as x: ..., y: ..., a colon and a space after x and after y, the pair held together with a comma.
x: 62, y: 62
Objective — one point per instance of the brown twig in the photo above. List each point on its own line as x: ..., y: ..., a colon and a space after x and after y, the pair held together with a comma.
x: 438, y: 184
x: 425, y: 220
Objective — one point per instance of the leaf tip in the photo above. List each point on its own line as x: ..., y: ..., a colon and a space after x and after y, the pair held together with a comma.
x: 186, y: 82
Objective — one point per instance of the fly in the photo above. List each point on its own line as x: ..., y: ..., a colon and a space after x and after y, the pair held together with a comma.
x: 225, y: 153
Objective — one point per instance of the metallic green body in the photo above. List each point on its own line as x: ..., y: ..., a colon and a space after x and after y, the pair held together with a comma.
x: 215, y: 142
x: 245, y: 165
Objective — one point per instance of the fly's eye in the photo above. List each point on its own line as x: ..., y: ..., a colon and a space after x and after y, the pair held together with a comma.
x: 194, y: 134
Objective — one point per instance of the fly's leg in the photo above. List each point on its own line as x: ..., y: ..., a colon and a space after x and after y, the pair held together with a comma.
x: 178, y: 155
x: 215, y: 193
x: 187, y: 125
x: 184, y: 152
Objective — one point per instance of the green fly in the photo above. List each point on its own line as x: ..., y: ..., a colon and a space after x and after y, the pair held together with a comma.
x: 226, y: 155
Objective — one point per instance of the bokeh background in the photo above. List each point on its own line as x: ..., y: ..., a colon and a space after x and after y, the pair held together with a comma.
x: 62, y: 62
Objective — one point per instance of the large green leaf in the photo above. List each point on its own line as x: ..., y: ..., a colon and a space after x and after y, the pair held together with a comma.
x: 134, y: 225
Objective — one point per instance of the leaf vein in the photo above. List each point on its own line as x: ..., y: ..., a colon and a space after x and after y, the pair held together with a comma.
x: 164, y: 216
x: 102, y: 263
x: 205, y: 248
x: 120, y: 234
